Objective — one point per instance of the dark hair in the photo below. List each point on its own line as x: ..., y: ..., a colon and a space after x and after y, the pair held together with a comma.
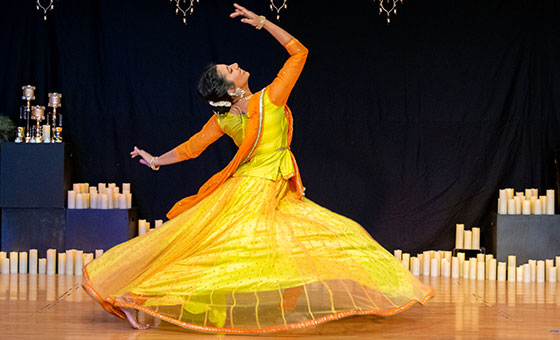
x: 214, y: 87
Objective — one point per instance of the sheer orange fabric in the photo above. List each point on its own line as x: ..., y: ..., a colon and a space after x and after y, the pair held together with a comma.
x: 278, y: 93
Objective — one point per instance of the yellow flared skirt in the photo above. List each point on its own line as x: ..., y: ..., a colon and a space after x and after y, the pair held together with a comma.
x: 253, y: 258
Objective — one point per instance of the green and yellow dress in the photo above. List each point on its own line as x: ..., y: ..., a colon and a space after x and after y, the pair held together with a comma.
x: 249, y: 253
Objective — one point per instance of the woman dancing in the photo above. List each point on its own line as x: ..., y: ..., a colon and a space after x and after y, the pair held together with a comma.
x: 249, y: 253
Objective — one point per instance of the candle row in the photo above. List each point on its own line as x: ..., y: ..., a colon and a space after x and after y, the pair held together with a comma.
x: 144, y: 226
x: 102, y: 196
x: 70, y: 262
x: 483, y: 267
x: 467, y: 239
x: 527, y: 203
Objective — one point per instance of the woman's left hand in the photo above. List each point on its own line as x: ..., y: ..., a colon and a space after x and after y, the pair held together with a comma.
x: 248, y: 16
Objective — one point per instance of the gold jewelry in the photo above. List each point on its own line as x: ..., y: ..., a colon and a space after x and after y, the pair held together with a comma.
x: 261, y: 22
x: 153, y: 163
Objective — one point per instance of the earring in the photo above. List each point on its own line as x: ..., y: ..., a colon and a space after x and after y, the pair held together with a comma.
x: 238, y: 92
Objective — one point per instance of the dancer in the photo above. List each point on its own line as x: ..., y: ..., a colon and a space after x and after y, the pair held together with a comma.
x: 249, y: 253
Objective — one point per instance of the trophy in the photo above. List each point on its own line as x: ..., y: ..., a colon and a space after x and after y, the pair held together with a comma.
x: 54, y: 102
x: 38, y: 115
x: 29, y: 95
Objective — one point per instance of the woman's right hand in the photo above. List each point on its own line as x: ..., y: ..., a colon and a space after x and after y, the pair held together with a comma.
x: 145, y: 157
x: 248, y: 16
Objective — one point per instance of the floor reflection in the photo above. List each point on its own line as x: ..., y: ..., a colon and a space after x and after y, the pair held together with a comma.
x: 27, y: 287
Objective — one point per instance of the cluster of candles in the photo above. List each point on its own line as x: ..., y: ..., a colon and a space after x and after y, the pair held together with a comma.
x: 467, y: 239
x: 525, y: 203
x: 482, y: 267
x: 70, y: 262
x: 102, y: 196
x: 144, y: 226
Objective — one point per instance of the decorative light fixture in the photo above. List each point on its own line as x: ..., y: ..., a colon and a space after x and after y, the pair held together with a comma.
x: 186, y: 8
x: 45, y: 9
x: 388, y: 6
x: 277, y: 9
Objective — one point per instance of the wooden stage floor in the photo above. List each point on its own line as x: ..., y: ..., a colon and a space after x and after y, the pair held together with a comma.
x: 55, y: 307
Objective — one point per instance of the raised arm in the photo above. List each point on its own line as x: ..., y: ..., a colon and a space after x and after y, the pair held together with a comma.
x: 189, y: 149
x: 281, y: 87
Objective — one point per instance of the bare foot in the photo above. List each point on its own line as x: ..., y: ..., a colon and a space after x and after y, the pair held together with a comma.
x: 132, y: 317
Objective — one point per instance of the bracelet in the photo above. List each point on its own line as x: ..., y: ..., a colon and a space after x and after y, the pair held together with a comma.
x: 153, y: 163
x: 261, y: 23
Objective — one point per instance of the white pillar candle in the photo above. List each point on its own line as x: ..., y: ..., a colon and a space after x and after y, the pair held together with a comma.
x: 415, y: 266
x: 480, y: 258
x: 70, y: 261
x: 98, y: 253
x: 467, y: 239
x: 544, y: 204
x: 540, y: 271
x: 480, y: 271
x: 509, y: 193
x: 129, y: 201
x: 426, y: 263
x: 487, y: 259
x: 94, y: 196
x: 445, y: 268
x: 126, y: 187
x: 519, y: 274
x: 3, y: 255
x: 550, y: 207
x: 492, y: 270
x: 551, y: 274
x: 147, y: 226
x: 101, y: 188
x: 511, y: 273
x: 14, y: 262
x: 122, y: 201
x: 535, y: 193
x: 434, y: 267
x: 461, y: 257
x: 78, y: 262
x: 511, y: 207
x: 466, y: 269
x: 526, y: 273
x: 33, y: 258
x: 110, y: 198
x: 528, y: 193
x: 538, y: 207
x: 557, y: 261
x: 42, y: 266
x: 158, y: 223
x: 398, y: 254
x: 473, y: 268
x: 420, y: 258
x: 23, y: 262
x: 141, y: 227
x: 533, y: 266
x: 76, y: 188
x: 86, y: 188
x: 51, y: 261
x: 502, y: 202
x: 406, y: 260
x: 533, y: 204
x: 459, y: 233
x: 455, y: 267
x: 526, y: 207
x: 62, y: 263
x: 517, y: 205
x: 501, y: 271
x: 5, y: 266
x: 104, y: 201
x: 79, y: 201
x: 88, y: 258
x: 512, y: 261
x: 71, y: 199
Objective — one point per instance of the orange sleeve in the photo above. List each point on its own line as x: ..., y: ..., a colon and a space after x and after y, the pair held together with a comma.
x: 280, y: 89
x: 200, y: 141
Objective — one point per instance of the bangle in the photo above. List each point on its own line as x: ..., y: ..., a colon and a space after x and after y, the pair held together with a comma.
x: 261, y: 23
x: 153, y: 163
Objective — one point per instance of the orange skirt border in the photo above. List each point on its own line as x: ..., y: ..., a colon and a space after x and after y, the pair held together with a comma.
x: 112, y: 306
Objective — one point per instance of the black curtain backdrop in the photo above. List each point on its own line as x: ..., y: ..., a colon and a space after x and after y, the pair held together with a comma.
x: 407, y: 128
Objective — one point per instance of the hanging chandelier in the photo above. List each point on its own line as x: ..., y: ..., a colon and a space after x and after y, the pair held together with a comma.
x: 45, y: 9
x: 186, y: 8
x: 388, y: 7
